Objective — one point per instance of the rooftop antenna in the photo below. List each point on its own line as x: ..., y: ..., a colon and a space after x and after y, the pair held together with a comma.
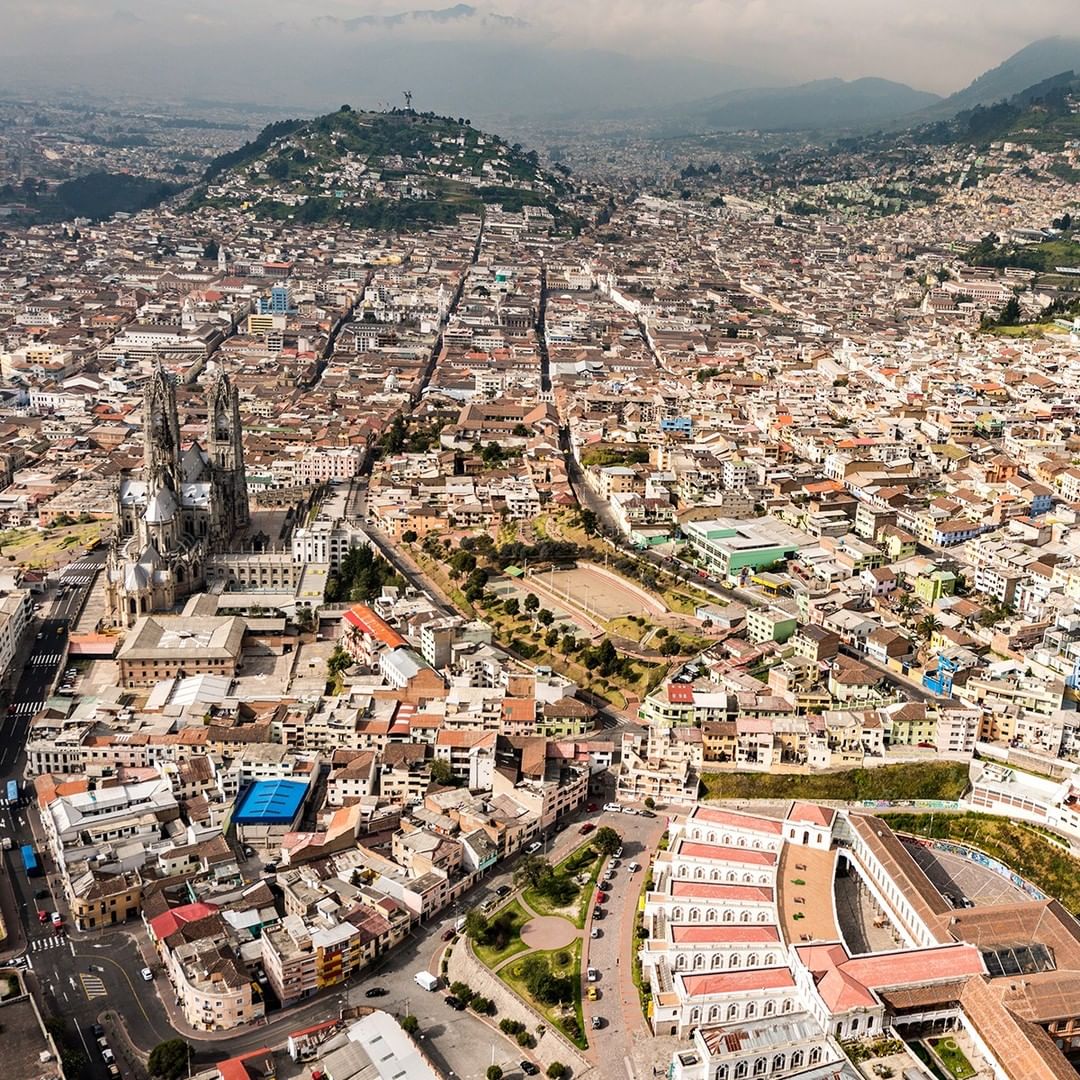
x: 407, y: 94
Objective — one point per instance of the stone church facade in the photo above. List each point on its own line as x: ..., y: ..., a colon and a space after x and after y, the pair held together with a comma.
x: 186, y: 506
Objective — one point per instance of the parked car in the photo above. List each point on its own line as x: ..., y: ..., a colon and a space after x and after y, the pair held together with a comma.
x: 529, y: 1069
x: 633, y: 867
x: 455, y: 1003
x: 42, y: 916
x: 609, y: 874
x: 57, y: 919
x: 596, y: 932
x: 593, y: 974
x: 147, y: 974
x: 533, y: 848
x: 596, y: 1022
x: 646, y: 813
x: 592, y: 993
x: 598, y: 913
x: 449, y: 935
x: 618, y: 853
x: 503, y: 890
x: 586, y: 828
x: 97, y: 1031
x: 601, y: 897
x: 612, y: 808
x: 376, y: 991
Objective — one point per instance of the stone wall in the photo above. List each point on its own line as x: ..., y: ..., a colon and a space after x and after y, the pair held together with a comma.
x: 551, y: 1046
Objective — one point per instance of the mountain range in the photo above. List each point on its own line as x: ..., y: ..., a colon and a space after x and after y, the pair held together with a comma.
x: 833, y: 104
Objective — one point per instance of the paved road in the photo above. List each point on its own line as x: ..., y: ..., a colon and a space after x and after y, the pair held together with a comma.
x: 623, y: 1027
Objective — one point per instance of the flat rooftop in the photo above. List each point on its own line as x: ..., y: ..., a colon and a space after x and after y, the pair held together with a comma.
x: 806, y: 910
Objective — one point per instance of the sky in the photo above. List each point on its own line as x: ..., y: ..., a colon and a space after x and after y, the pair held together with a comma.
x: 300, y: 49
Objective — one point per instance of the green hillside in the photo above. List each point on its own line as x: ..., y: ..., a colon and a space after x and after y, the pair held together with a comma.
x: 379, y: 170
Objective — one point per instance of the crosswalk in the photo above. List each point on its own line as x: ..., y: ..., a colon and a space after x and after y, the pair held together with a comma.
x: 45, y: 659
x: 26, y: 708
x: 53, y: 941
x: 93, y: 987
x: 76, y: 579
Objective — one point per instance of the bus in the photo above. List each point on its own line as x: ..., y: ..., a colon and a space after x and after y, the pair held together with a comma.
x: 30, y: 863
x: 12, y: 792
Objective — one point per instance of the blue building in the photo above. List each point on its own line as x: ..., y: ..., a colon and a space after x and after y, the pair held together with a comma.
x: 278, y: 303
x: 681, y: 425
x: 267, y: 809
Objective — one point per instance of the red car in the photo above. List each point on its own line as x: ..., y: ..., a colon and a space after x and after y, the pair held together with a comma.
x: 42, y: 916
x: 601, y: 897
x: 586, y: 828
x: 449, y: 935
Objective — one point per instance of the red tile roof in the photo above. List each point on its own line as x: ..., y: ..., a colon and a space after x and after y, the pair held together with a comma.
x: 737, y: 982
x: 696, y: 849
x: 736, y: 820
x: 737, y: 934
x: 170, y: 921
x: 710, y: 891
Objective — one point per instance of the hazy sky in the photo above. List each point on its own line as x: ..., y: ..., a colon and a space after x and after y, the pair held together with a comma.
x: 939, y: 46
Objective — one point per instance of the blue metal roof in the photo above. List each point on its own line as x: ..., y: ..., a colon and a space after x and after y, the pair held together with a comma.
x: 270, y: 802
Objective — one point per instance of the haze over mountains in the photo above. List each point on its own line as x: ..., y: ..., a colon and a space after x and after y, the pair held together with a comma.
x: 560, y: 63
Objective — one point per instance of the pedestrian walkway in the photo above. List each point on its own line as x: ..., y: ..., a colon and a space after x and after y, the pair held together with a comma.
x: 26, y: 708
x: 53, y: 941
x: 45, y: 659
x: 93, y: 987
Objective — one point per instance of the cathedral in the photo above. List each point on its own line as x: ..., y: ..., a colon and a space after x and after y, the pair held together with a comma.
x: 187, y: 505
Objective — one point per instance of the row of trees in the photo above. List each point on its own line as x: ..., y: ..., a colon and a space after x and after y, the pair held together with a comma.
x: 361, y: 576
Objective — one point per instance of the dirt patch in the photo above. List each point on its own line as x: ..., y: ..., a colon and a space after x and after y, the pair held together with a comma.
x: 548, y: 932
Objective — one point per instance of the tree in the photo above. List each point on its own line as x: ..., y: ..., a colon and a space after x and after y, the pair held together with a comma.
x: 408, y: 536
x: 441, y: 772
x: 169, y: 1060
x: 532, y: 602
x: 556, y: 1070
x: 568, y: 644
x: 476, y: 924
x: 551, y: 638
x: 650, y: 802
x: 588, y: 522
x: 1010, y: 313
x: 210, y: 251
x: 409, y: 1024
x: 928, y: 626
x: 544, y: 617
x: 531, y: 871
x: 511, y: 606
x: 494, y: 1072
x: 607, y: 841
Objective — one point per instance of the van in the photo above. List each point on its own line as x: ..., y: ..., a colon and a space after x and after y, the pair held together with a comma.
x: 459, y: 923
x: 426, y: 980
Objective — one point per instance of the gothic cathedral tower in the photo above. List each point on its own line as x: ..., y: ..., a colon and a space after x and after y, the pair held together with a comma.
x: 225, y: 448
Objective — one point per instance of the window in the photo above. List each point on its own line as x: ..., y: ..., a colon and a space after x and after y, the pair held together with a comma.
x: 751, y: 1010
x: 761, y: 1066
x: 815, y: 1055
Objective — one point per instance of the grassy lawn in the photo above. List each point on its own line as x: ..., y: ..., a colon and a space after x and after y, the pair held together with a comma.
x: 927, y: 780
x: 512, y: 918
x: 553, y: 1013
x: 1047, y: 866
x: 578, y: 908
x: 953, y: 1058
x: 43, y: 549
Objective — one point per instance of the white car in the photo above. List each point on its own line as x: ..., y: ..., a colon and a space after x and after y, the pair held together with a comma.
x: 613, y: 808
x: 147, y: 974
x: 633, y: 867
x: 595, y: 932
x: 618, y: 854
x: 533, y: 848
x: 594, y: 975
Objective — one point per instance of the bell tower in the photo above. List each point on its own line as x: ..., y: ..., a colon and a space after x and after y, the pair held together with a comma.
x: 225, y: 447
x: 161, y: 430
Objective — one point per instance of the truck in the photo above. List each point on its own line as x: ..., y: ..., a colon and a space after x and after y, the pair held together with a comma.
x: 426, y: 980
x: 29, y: 860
